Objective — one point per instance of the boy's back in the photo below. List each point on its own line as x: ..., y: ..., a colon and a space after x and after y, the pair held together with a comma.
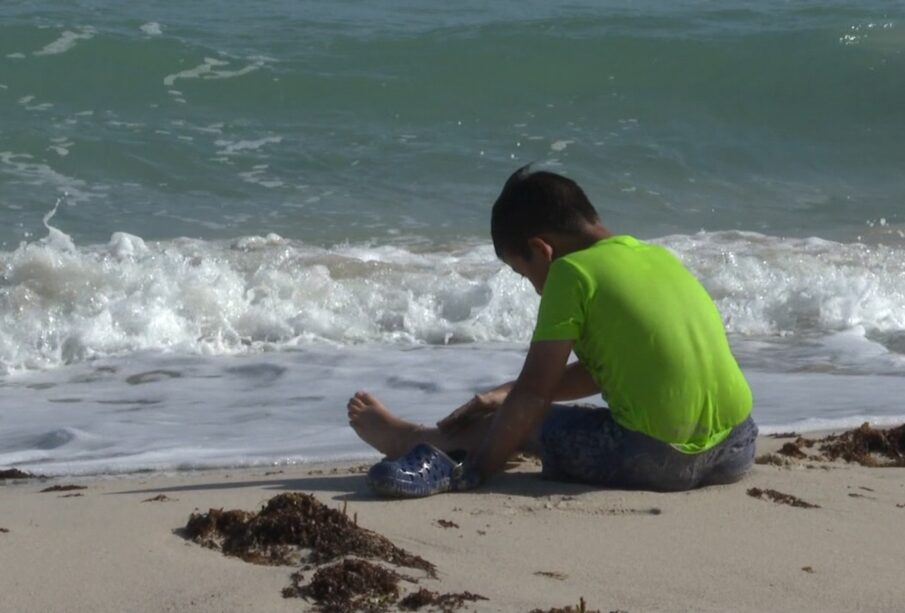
x: 652, y: 339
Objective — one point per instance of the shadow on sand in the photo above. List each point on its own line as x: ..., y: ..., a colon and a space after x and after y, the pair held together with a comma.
x: 352, y: 487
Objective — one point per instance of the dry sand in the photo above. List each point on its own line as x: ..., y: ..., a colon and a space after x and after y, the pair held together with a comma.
x: 521, y: 542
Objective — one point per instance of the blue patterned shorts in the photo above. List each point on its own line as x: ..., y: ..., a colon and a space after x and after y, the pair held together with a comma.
x: 585, y: 444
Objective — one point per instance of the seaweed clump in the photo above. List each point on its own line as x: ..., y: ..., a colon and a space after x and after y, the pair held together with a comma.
x: 581, y: 608
x: 793, y: 450
x: 62, y: 488
x: 350, y: 585
x: 772, y: 459
x: 15, y: 473
x: 160, y: 498
x: 286, y: 525
x: 443, y: 602
x: 867, y: 446
x: 780, y: 498
x: 359, y: 585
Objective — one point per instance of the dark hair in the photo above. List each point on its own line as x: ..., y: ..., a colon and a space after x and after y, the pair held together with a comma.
x: 535, y: 202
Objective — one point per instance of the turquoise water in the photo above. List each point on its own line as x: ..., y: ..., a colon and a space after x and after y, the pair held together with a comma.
x: 218, y: 219
x: 339, y: 121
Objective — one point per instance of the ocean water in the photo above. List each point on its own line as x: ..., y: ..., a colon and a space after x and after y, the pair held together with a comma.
x: 220, y: 219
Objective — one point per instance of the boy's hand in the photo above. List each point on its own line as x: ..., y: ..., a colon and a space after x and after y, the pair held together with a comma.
x: 479, y: 406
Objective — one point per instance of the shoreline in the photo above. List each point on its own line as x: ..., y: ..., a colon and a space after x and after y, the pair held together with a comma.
x: 521, y: 542
x: 806, y: 429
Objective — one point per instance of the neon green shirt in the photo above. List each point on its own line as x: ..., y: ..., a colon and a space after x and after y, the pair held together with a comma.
x: 652, y: 339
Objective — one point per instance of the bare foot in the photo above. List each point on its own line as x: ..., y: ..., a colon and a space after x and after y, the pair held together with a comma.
x: 378, y: 427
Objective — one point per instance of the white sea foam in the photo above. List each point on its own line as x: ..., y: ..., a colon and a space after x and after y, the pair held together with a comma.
x: 211, y: 68
x: 174, y: 411
x: 60, y: 146
x: 230, y: 147
x: 258, y: 176
x: 152, y: 28
x: 61, y: 303
x: 773, y: 286
x: 67, y: 41
x: 26, y: 101
x: 171, y: 411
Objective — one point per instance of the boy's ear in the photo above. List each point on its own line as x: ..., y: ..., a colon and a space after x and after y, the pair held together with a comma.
x: 540, y: 246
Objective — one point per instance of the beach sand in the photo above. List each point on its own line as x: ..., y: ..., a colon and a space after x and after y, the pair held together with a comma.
x: 521, y: 542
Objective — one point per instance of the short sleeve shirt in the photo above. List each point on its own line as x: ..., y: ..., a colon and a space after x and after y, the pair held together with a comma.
x: 651, y: 337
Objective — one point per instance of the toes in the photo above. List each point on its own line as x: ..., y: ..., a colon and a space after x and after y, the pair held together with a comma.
x: 367, y: 398
x: 354, y: 415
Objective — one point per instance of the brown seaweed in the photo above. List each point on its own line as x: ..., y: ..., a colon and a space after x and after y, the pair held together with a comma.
x: 582, y: 607
x: 443, y: 602
x: 873, y: 447
x: 792, y: 450
x: 350, y: 585
x: 780, y: 498
x: 551, y: 575
x: 62, y: 488
x: 445, y: 523
x: 805, y: 442
x: 15, y: 473
x: 289, y: 523
x: 160, y: 498
x: 867, y: 446
x: 771, y: 458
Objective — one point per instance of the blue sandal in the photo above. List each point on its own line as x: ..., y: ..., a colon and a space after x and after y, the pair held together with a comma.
x: 423, y: 471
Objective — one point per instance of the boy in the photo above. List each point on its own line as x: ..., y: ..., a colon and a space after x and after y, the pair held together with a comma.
x: 647, y: 336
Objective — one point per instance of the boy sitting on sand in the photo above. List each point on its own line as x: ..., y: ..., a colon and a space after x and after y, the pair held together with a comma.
x: 647, y: 336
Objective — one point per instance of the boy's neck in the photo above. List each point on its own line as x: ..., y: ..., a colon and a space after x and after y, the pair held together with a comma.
x: 590, y: 234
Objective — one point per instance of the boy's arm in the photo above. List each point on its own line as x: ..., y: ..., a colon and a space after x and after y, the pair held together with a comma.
x: 525, y: 406
x: 576, y: 383
x: 480, y: 404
